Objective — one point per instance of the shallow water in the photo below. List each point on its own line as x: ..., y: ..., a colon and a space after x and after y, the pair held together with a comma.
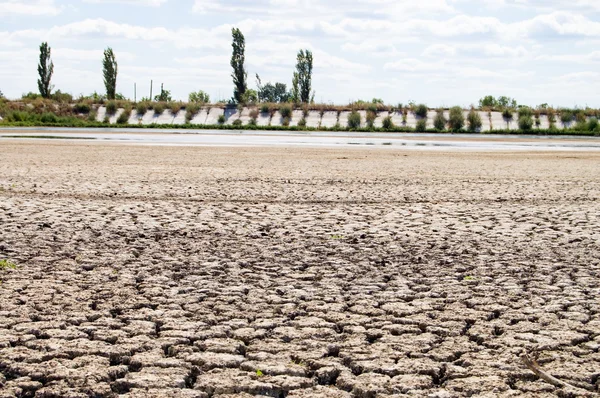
x: 422, y: 141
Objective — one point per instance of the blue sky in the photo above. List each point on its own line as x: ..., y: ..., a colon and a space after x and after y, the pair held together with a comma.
x: 440, y: 52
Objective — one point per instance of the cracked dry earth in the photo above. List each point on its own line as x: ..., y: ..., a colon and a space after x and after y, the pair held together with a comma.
x: 236, y: 272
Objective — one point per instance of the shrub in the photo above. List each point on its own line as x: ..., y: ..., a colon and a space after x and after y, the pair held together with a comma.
x: 237, y: 122
x: 474, y: 121
x: 580, y: 117
x: 252, y: 122
x: 159, y: 108
x: 439, y: 121
x: 421, y: 125
x: 264, y: 108
x: 124, y: 117
x: 457, y: 119
x: 141, y: 108
x: 199, y: 97
x: 592, y: 124
x: 372, y: 108
x: 221, y: 119
x: 254, y: 113
x: 92, y: 116
x: 387, y: 123
x: 525, y: 122
x: 111, y: 108
x: 507, y: 114
x: 525, y: 111
x: 566, y: 117
x: 538, y: 122
x: 286, y: 111
x: 371, y: 116
x: 421, y: 110
x: 190, y: 111
x: 354, y: 120
x: 106, y: 120
x: 285, y: 121
x: 551, y: 117
x: 81, y: 108
x: 175, y: 107
x: 49, y: 118
x: 302, y: 122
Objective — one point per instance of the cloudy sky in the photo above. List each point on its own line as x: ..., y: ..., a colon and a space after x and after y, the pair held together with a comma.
x: 441, y: 52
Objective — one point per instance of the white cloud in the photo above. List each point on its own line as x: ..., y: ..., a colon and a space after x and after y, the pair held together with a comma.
x: 145, y: 3
x: 29, y: 7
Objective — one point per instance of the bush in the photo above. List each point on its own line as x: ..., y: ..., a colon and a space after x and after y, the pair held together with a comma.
x: 421, y: 110
x: 254, y: 113
x: 592, y: 124
x: 106, y: 120
x: 371, y: 116
x: 175, y: 107
x: 286, y: 111
x: 221, y: 119
x: 580, y: 117
x: 124, y: 117
x: 421, y: 125
x: 159, y: 108
x: 92, y: 116
x: 525, y: 122
x: 507, y: 114
x: 49, y: 118
x: 237, y: 122
x: 199, y: 97
x: 387, y: 123
x: 252, y: 122
x: 285, y: 121
x: 474, y: 123
x: 302, y: 122
x: 81, y: 108
x: 111, y: 108
x: 354, y: 120
x: 141, y: 108
x: 525, y: 111
x: 190, y: 111
x: 264, y: 108
x: 372, y: 108
x: 457, y: 119
x: 439, y: 122
x: 566, y: 117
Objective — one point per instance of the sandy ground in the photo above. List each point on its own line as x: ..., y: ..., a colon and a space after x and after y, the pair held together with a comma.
x: 221, y: 272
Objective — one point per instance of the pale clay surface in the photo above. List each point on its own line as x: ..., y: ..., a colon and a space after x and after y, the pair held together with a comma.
x: 179, y: 272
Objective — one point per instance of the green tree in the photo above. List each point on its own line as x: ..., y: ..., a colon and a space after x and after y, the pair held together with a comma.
x: 238, y: 58
x: 271, y: 92
x: 302, y: 82
x: 199, y: 97
x: 164, y: 96
x: 507, y: 102
x: 45, y: 70
x: 488, y: 102
x: 109, y: 69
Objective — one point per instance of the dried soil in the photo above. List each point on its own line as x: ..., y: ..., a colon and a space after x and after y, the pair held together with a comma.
x: 220, y: 272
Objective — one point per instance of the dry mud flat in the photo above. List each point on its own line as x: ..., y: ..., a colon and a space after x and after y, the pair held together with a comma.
x: 222, y: 272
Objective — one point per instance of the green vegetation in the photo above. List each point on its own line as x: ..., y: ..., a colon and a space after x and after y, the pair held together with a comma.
x: 421, y: 110
x: 82, y: 108
x: 439, y: 121
x: 237, y: 122
x: 159, y: 108
x: 109, y: 70
x: 190, y: 111
x: 164, y: 96
x: 507, y: 115
x: 274, y: 93
x: 387, y: 123
x: 474, y: 123
x: 141, y: 108
x: 566, y: 117
x: 457, y: 119
x: 221, y: 119
x: 111, y: 108
x: 302, y: 81
x: 370, y: 119
x: 238, y: 58
x: 525, y: 122
x: 199, y: 97
x: 354, y: 120
x: 286, y: 111
x: 7, y: 264
x: 124, y: 116
x: 302, y: 122
x: 421, y: 126
x: 45, y: 70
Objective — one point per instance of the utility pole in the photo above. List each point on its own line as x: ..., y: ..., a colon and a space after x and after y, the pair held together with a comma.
x: 134, y: 92
x: 150, y: 90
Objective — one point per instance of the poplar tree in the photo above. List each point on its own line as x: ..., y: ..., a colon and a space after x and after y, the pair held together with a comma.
x: 238, y: 58
x: 109, y: 69
x: 302, y: 81
x: 45, y: 70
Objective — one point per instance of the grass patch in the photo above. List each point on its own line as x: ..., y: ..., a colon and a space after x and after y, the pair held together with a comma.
x: 7, y: 264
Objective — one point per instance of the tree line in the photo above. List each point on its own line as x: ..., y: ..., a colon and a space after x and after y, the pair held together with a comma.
x: 301, y: 91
